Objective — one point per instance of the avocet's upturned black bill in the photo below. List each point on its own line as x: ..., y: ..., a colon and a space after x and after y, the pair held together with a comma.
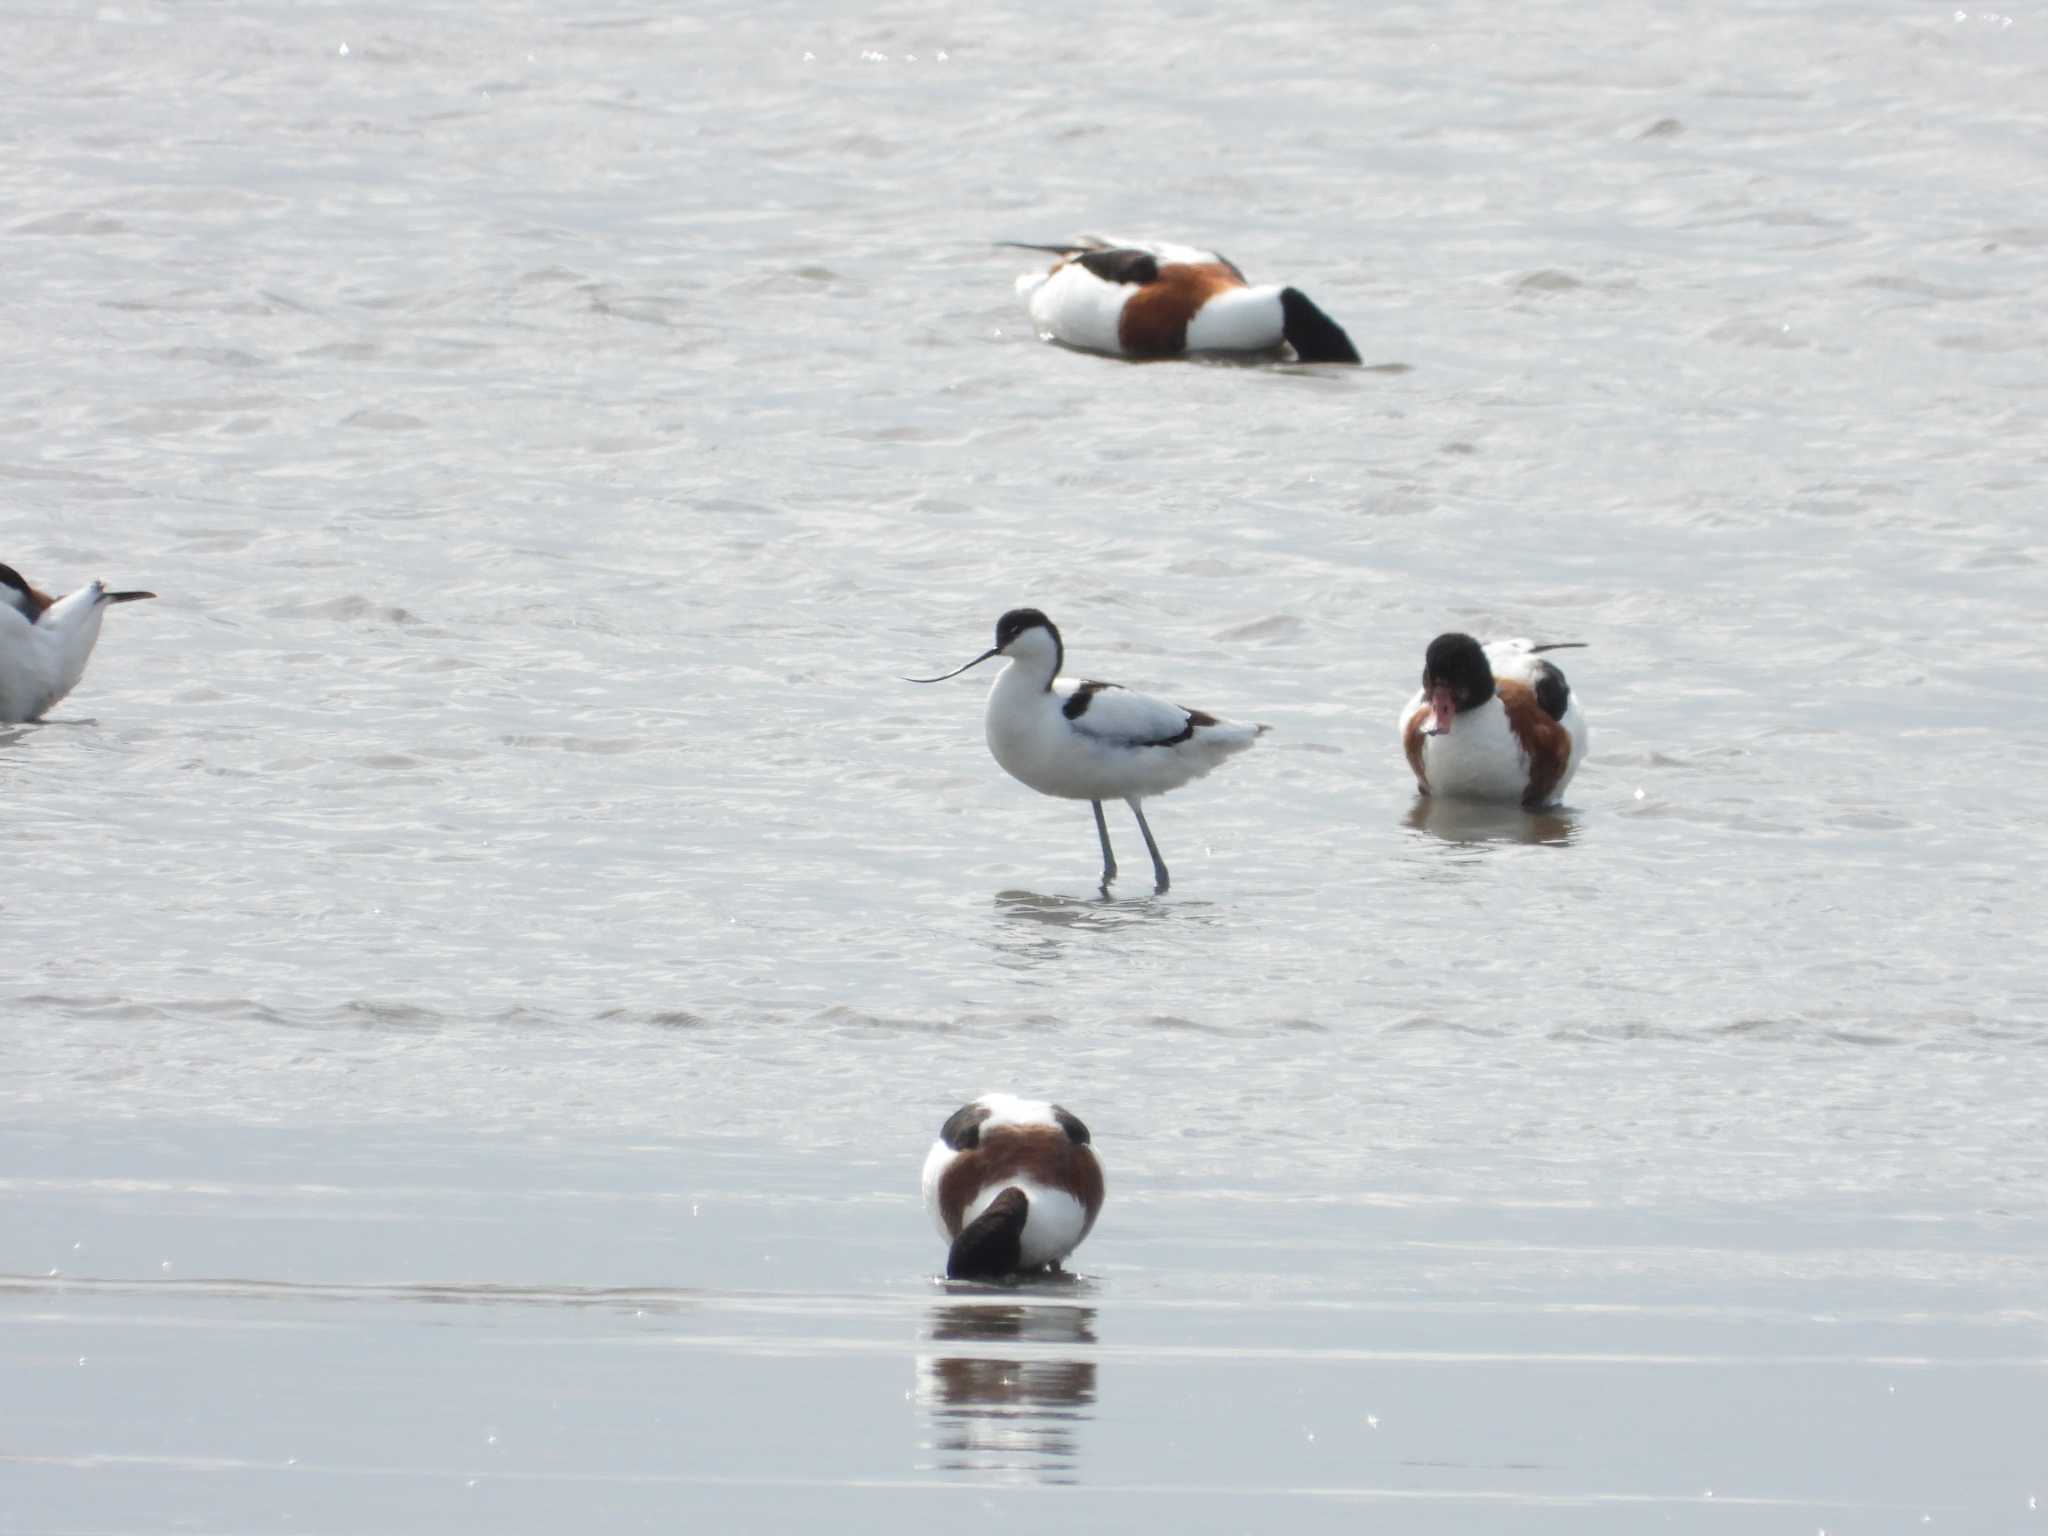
x: 1493, y: 722
x: 1092, y: 741
x: 1134, y: 298
x: 1012, y: 1185
x: 46, y: 641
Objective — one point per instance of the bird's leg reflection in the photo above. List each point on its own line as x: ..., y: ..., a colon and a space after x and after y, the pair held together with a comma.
x: 1011, y: 1409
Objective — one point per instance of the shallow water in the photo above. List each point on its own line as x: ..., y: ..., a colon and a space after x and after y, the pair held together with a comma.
x: 489, y: 946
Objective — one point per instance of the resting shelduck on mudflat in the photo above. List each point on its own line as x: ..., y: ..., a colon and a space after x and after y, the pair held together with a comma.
x: 1143, y: 300
x: 46, y: 641
x: 1092, y: 741
x: 1493, y: 722
x: 1012, y: 1185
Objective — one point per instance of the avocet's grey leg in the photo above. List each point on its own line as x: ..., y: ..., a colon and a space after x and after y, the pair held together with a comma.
x: 1108, y: 858
x: 1158, y: 864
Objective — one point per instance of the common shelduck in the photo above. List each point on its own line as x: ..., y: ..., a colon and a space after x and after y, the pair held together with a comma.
x: 1493, y: 722
x: 1149, y: 300
x: 46, y: 641
x: 1092, y: 741
x: 1012, y: 1185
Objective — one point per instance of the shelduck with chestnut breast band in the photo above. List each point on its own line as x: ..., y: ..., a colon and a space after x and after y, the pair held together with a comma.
x: 1133, y: 299
x: 1494, y: 722
x: 1012, y: 1185
x: 46, y: 641
x: 1092, y: 741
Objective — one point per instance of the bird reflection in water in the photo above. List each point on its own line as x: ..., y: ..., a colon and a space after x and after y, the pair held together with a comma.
x: 1009, y: 1409
x: 1479, y: 821
x: 1061, y: 911
x: 1032, y: 929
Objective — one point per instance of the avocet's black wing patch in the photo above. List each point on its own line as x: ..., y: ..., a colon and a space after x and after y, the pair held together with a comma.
x: 18, y: 594
x: 1196, y: 720
x: 1122, y: 266
x: 1119, y: 718
x: 962, y: 1130
x: 991, y: 1245
x: 1077, y: 1133
x: 1084, y: 695
x: 1551, y: 690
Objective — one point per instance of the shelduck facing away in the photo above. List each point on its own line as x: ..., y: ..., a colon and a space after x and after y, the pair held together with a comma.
x: 46, y: 641
x: 1146, y: 300
x: 1012, y: 1185
x: 1092, y: 741
x: 1493, y: 722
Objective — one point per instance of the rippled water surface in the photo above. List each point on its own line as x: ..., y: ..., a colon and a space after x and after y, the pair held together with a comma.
x: 485, y: 952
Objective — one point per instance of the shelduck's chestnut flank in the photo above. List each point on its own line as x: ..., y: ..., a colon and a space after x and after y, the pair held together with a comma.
x: 1493, y: 722
x: 1012, y: 1185
x: 1134, y: 299
x: 46, y: 641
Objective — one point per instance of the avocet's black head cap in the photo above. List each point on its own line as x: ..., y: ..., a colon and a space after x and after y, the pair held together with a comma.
x: 1458, y: 664
x: 1018, y: 620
